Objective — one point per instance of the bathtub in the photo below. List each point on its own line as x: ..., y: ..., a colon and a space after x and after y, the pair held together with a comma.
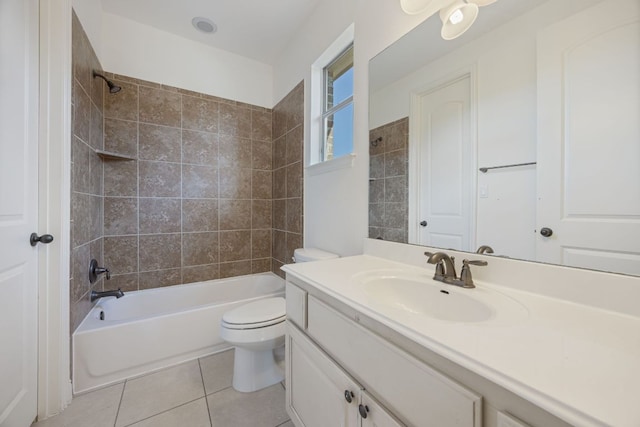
x: 152, y: 329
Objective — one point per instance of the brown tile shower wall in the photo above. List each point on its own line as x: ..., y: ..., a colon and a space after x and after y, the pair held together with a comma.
x: 198, y: 198
x: 388, y: 185
x: 86, y: 173
x: 288, y: 136
x: 195, y: 204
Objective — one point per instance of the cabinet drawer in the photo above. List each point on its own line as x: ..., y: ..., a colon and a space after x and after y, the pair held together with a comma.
x: 419, y: 395
x: 296, y: 301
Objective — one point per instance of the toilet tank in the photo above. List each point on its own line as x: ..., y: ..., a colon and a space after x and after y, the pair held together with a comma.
x: 312, y: 254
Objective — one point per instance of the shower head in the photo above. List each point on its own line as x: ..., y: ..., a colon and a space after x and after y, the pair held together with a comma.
x: 113, y: 88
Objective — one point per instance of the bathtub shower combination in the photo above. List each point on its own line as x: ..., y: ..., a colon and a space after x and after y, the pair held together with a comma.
x: 152, y: 329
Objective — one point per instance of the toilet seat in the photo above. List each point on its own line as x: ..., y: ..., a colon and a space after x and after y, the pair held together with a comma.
x: 256, y: 325
x: 258, y: 314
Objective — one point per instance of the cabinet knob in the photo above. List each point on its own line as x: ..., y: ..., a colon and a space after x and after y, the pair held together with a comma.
x: 364, y: 410
x: 348, y: 396
x: 423, y: 223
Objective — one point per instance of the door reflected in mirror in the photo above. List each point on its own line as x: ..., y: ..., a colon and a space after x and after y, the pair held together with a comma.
x: 544, y: 97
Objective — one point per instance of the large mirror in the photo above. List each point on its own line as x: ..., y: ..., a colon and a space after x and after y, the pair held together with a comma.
x: 523, y: 134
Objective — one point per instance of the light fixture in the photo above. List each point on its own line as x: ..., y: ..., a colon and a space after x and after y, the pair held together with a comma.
x: 204, y: 25
x: 414, y: 7
x: 457, y: 18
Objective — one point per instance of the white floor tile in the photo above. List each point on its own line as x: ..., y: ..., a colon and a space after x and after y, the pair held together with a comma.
x: 98, y: 408
x: 175, y: 397
x: 194, y: 414
x: 217, y: 371
x: 149, y: 395
x: 263, y: 408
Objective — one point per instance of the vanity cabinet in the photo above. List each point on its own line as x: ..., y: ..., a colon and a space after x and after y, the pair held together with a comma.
x: 330, y: 357
x: 321, y: 394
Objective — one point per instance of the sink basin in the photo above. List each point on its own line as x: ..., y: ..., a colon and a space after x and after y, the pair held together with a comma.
x: 428, y: 300
x: 419, y: 295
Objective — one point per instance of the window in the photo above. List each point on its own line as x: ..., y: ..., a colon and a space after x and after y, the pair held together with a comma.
x: 337, y: 111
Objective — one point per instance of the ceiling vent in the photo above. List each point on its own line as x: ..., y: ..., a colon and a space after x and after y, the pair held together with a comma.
x: 204, y: 25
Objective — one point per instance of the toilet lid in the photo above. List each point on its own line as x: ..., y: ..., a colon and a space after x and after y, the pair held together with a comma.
x: 259, y: 313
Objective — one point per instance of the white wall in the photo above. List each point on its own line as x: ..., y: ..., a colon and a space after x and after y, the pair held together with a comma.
x: 144, y: 52
x: 89, y: 13
x: 336, y: 202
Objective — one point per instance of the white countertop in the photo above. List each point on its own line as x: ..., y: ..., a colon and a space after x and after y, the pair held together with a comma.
x: 580, y: 363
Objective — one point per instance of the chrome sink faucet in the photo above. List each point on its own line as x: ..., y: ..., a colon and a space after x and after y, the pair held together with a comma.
x: 446, y: 269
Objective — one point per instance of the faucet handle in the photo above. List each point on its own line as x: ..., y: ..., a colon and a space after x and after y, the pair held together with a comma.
x: 465, y: 273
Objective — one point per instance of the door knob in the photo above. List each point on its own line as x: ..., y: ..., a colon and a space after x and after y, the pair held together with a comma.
x: 546, y: 232
x: 423, y: 223
x: 34, y: 239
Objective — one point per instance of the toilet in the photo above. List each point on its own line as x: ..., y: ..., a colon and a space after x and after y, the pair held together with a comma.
x: 311, y: 254
x: 257, y: 331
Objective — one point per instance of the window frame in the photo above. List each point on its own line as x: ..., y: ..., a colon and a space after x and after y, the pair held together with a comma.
x: 314, y: 87
x: 327, y: 112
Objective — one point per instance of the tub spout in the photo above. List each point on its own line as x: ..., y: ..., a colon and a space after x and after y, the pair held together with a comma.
x: 96, y: 295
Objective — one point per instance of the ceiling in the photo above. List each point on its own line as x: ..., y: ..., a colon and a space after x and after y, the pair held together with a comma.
x: 255, y: 29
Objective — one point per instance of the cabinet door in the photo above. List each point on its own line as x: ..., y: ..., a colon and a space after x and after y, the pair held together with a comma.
x: 316, y: 386
x: 374, y: 414
x: 418, y: 394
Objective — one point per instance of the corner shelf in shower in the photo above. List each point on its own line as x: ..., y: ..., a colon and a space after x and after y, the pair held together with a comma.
x: 110, y: 156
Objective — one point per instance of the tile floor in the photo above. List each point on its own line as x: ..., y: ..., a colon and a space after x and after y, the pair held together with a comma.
x: 193, y: 394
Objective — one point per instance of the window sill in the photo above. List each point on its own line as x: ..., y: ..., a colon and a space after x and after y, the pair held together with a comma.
x: 344, y: 162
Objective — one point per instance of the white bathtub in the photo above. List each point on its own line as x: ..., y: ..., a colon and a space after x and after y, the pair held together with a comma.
x: 152, y: 329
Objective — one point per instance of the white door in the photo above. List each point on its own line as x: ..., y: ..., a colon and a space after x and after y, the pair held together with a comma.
x: 589, y: 139
x: 445, y: 167
x: 18, y: 210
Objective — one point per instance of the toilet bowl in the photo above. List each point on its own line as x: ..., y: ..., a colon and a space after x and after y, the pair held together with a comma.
x: 257, y: 330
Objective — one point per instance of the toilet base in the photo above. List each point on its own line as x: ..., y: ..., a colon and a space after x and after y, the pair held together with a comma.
x: 255, y: 370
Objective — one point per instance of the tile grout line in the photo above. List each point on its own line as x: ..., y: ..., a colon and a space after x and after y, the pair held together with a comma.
x: 120, y: 403
x: 138, y: 185
x: 182, y: 266
x: 162, y: 412
x: 204, y: 388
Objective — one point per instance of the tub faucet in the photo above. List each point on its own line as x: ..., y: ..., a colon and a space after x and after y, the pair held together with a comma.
x: 97, y: 295
x: 95, y: 271
x: 446, y: 269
